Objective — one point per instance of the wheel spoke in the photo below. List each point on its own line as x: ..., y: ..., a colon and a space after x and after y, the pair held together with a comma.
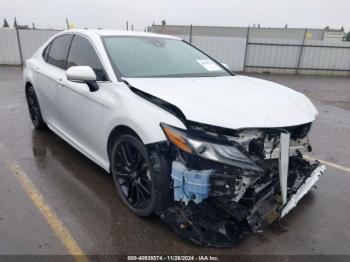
x: 142, y: 194
x: 146, y: 190
x: 138, y: 160
x: 122, y: 148
x: 137, y: 193
x: 123, y: 157
x: 125, y: 176
x: 143, y: 168
x: 121, y: 168
x: 125, y: 183
x: 126, y: 150
x: 146, y: 180
x: 141, y: 202
x: 130, y: 191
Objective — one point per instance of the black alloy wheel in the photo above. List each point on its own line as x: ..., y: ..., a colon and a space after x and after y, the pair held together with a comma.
x: 132, y: 174
x: 34, y: 109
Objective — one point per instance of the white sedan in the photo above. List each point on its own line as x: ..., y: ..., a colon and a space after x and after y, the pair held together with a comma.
x: 213, y: 153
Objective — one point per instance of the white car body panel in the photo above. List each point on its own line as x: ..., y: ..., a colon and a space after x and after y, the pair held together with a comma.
x: 232, y: 102
x: 86, y: 119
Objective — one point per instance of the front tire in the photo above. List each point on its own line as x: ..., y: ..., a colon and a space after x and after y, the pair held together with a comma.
x: 34, y: 109
x: 132, y: 173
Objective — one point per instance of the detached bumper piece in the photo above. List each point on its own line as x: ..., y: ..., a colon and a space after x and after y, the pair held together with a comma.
x: 270, y: 207
x: 303, y: 190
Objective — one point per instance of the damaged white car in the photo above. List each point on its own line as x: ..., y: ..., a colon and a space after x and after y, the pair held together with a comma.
x: 216, y: 155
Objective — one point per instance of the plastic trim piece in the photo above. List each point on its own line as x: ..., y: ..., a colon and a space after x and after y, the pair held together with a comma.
x: 303, y: 189
x: 283, y: 164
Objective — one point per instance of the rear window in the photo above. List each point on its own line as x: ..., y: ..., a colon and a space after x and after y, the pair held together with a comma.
x: 46, y: 52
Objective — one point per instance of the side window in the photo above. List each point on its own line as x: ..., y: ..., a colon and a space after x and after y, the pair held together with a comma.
x: 83, y: 53
x: 46, y: 52
x: 58, y: 51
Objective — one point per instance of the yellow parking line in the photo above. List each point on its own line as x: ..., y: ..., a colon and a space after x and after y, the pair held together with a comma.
x: 343, y: 168
x: 51, y: 217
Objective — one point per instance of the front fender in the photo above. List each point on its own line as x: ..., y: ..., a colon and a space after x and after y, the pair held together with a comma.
x: 140, y: 115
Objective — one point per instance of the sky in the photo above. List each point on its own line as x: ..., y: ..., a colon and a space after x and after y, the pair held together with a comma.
x: 113, y: 14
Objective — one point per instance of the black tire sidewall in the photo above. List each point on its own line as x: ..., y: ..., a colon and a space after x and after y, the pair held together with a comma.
x: 39, y: 124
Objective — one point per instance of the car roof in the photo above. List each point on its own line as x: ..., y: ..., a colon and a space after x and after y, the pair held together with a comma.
x: 106, y: 32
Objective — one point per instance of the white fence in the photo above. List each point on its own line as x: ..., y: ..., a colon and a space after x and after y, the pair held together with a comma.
x: 31, y: 40
x: 18, y: 45
x: 262, y: 50
x: 228, y: 50
x: 293, y: 56
x: 240, y: 53
x: 9, y: 49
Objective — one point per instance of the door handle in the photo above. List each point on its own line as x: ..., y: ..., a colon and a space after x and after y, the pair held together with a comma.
x: 59, y: 81
x: 37, y: 69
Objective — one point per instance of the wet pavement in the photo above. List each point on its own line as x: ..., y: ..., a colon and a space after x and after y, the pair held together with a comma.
x: 83, y: 195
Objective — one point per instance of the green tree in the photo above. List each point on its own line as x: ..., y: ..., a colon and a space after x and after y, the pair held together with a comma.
x: 347, y: 36
x: 5, y: 23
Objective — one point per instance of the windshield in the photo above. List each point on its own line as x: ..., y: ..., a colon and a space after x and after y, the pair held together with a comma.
x: 135, y: 56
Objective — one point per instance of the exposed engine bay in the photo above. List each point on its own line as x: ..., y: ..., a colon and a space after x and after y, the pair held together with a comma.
x: 227, y: 183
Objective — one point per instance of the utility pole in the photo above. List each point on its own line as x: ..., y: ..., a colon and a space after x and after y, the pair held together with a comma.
x: 246, y: 48
x: 19, y: 42
x: 190, y: 33
x: 67, y: 22
x: 301, y: 52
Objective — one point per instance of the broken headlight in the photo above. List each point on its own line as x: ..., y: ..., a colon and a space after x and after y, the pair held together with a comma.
x: 226, y: 153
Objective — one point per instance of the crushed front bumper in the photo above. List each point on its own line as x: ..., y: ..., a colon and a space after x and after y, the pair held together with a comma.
x: 221, y: 222
x: 303, y: 189
x: 272, y: 207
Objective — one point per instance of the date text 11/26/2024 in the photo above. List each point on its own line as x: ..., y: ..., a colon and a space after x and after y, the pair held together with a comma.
x: 173, y: 258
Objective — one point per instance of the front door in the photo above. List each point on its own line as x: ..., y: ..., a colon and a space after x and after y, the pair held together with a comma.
x: 81, y: 111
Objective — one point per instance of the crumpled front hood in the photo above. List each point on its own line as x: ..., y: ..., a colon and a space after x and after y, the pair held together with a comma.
x: 231, y: 102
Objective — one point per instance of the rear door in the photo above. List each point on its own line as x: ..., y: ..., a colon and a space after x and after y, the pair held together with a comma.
x: 82, y: 111
x: 51, y: 74
x: 42, y: 83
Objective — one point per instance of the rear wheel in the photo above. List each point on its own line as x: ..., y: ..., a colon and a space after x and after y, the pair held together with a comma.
x: 140, y: 179
x: 34, y: 109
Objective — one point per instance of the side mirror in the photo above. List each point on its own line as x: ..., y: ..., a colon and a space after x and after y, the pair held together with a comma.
x: 83, y: 74
x: 226, y: 66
